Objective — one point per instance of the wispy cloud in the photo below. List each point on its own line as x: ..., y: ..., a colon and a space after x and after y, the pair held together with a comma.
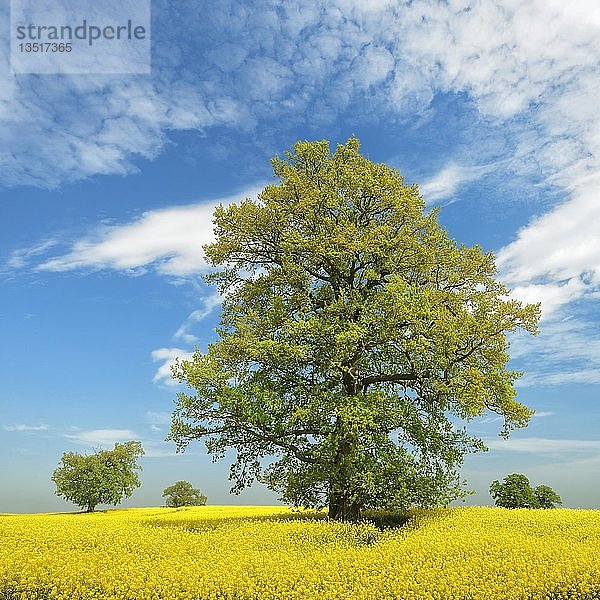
x: 563, y: 376
x: 66, y: 128
x: 492, y: 419
x: 168, y: 356
x: 103, y: 438
x: 565, y: 352
x: 86, y: 143
x: 529, y: 68
x: 156, y: 449
x: 541, y: 414
x: 209, y: 304
x: 22, y: 257
x: 168, y: 241
x: 25, y: 427
x: 307, y: 60
x: 552, y: 296
x: 556, y: 258
x: 445, y: 184
x: 158, y: 420
x: 544, y: 445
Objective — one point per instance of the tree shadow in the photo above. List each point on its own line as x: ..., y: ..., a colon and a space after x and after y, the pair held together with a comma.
x: 382, y: 520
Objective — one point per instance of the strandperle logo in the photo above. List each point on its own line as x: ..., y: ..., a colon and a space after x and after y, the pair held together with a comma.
x: 80, y: 36
x: 85, y: 31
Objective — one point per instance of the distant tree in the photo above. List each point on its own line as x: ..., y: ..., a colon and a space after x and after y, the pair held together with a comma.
x: 105, y: 477
x: 515, y: 491
x: 183, y: 494
x: 546, y: 496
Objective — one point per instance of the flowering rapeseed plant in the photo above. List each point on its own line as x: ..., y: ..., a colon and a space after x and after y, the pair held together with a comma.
x: 271, y: 553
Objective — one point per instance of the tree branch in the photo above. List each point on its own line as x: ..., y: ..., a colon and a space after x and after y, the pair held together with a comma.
x: 262, y: 434
x: 389, y: 378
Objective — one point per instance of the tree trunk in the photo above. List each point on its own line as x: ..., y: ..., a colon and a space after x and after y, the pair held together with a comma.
x: 342, y: 509
x: 341, y: 505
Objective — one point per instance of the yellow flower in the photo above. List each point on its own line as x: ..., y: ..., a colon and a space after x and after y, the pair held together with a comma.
x: 256, y: 553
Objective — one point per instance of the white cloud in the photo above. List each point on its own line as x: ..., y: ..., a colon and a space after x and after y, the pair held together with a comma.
x: 375, y: 65
x: 209, y: 304
x: 487, y: 420
x: 552, y: 296
x: 543, y: 445
x: 506, y: 56
x: 556, y: 258
x: 84, y: 142
x: 154, y: 449
x: 159, y: 421
x: 64, y: 128
x: 565, y: 352
x: 103, y: 438
x: 541, y: 414
x: 445, y: 183
x: 562, y: 376
x: 266, y: 78
x: 24, y: 427
x: 20, y: 258
x: 531, y: 68
x: 168, y: 356
x: 540, y: 59
x: 169, y: 240
x: 158, y: 418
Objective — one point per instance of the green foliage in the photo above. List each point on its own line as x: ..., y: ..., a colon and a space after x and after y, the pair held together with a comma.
x: 105, y: 477
x: 352, y: 328
x: 546, y: 497
x: 182, y: 493
x: 515, y: 491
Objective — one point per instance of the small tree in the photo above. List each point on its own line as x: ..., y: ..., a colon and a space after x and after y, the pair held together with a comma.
x: 105, y: 477
x: 183, y: 494
x: 516, y: 492
x: 546, y: 497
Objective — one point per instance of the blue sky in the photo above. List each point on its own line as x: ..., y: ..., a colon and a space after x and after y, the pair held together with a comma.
x: 107, y: 184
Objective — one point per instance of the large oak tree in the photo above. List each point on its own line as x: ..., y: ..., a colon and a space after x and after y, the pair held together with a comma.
x: 355, y: 334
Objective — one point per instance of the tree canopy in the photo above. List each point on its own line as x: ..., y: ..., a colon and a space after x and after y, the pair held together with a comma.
x: 354, y: 334
x: 546, y: 497
x: 515, y: 491
x: 182, y: 493
x: 105, y: 477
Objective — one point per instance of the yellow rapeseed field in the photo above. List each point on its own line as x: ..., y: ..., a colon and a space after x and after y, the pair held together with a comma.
x: 219, y: 552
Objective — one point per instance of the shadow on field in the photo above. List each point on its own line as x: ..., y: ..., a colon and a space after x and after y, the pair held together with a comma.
x: 382, y: 520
